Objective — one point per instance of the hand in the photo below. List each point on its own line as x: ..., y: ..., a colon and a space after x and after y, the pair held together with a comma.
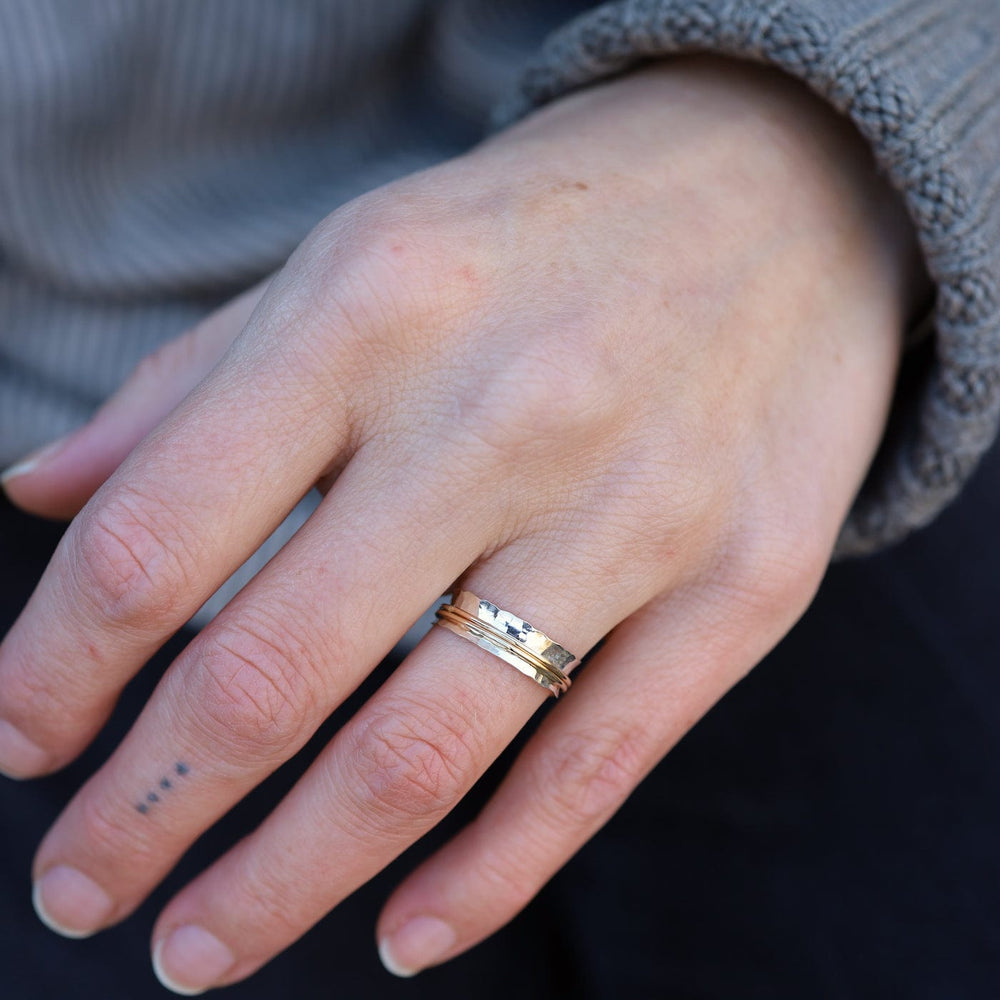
x: 623, y: 367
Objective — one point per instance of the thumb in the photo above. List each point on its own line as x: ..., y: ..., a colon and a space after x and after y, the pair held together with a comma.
x: 57, y: 480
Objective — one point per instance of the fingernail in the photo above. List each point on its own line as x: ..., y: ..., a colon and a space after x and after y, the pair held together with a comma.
x: 19, y: 757
x: 190, y: 960
x: 417, y: 944
x: 33, y: 461
x: 70, y: 903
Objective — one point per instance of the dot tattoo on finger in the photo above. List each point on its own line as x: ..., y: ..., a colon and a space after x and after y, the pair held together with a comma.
x: 165, y: 784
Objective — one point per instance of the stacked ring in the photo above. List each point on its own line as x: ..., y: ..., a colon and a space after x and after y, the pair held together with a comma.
x: 510, y: 638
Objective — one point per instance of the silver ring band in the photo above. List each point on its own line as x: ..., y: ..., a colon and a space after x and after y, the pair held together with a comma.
x: 508, y: 637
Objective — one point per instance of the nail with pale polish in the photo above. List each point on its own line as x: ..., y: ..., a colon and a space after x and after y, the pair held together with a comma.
x: 190, y: 960
x: 19, y: 757
x: 70, y: 903
x: 33, y: 461
x: 420, y: 942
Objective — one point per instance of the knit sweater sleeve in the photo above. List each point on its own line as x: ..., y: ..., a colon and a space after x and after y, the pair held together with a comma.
x: 920, y: 79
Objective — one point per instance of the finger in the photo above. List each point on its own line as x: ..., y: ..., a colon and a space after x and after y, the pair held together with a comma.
x: 58, y: 480
x: 388, y: 776
x: 186, y: 508
x: 652, y: 680
x: 252, y: 688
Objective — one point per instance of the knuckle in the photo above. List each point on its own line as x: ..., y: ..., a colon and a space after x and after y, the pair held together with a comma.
x: 655, y: 513
x: 409, y: 764
x: 375, y: 259
x: 793, y: 576
x: 372, y: 300
x: 545, y: 396
x: 776, y: 571
x: 255, y: 689
x: 274, y: 894
x: 108, y: 831
x: 510, y: 878
x: 125, y: 565
x: 588, y: 775
x: 46, y: 708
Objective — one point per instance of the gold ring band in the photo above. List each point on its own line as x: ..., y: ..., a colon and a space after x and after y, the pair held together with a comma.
x: 462, y: 625
x: 508, y: 637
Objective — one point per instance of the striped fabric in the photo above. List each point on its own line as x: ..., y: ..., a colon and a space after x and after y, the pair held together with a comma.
x: 156, y: 156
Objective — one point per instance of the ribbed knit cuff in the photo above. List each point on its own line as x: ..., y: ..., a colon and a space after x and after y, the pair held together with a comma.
x: 921, y: 81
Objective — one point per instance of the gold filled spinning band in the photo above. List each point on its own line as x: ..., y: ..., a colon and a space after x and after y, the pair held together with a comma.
x: 510, y: 638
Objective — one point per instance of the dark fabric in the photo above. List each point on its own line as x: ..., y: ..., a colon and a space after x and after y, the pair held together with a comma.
x: 828, y: 832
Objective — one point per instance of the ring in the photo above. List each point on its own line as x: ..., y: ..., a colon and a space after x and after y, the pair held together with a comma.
x: 508, y: 637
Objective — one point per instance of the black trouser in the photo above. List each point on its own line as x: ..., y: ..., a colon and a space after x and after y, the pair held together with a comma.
x: 830, y: 830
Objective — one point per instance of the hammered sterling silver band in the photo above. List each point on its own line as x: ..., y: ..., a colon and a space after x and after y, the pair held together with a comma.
x: 508, y: 637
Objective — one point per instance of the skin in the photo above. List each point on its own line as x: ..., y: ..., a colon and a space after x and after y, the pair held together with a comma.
x: 621, y: 370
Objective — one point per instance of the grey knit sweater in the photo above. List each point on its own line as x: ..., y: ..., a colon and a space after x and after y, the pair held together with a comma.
x: 158, y: 155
